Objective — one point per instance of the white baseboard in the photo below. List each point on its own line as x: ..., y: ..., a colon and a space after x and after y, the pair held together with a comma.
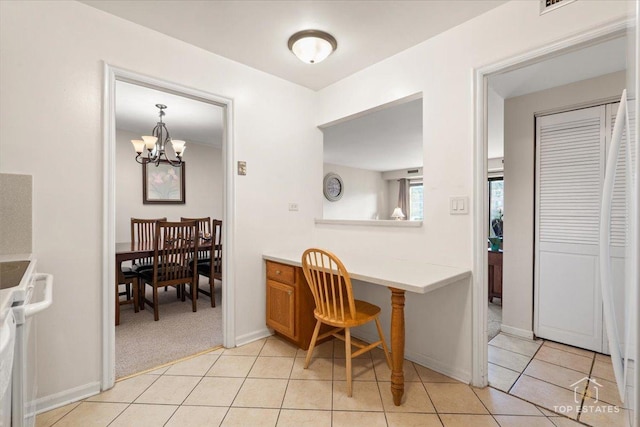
x: 253, y: 336
x: 428, y: 362
x: 522, y: 333
x: 47, y: 403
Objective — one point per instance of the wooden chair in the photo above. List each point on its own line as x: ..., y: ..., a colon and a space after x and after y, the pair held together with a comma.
x: 335, y: 306
x: 128, y: 278
x: 143, y: 230
x: 174, y: 244
x: 212, y: 266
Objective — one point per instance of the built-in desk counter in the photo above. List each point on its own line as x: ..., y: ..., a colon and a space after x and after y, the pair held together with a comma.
x: 399, y: 276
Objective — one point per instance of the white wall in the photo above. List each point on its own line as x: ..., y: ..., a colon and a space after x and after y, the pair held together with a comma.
x: 51, y: 80
x: 519, y: 169
x: 442, y: 69
x: 203, y: 186
x: 365, y: 195
x: 495, y: 124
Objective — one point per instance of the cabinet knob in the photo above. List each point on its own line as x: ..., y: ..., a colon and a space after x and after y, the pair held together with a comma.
x: 289, y: 292
x: 277, y: 271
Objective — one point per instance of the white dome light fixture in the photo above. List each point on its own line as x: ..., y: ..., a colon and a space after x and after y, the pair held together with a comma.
x: 312, y: 46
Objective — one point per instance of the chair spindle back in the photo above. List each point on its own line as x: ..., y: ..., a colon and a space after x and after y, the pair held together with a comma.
x: 144, y: 231
x: 203, y: 228
x: 330, y: 285
x: 175, y: 241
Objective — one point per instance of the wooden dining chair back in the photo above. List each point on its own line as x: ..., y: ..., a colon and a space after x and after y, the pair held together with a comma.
x: 143, y: 231
x: 216, y: 256
x: 212, y: 268
x: 175, y: 244
x: 332, y: 291
x: 203, y: 230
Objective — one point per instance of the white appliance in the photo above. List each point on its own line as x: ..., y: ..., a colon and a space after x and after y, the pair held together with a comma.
x: 619, y: 283
x: 23, y: 295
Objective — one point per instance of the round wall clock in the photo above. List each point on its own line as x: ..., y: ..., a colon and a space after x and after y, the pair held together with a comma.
x: 333, y: 187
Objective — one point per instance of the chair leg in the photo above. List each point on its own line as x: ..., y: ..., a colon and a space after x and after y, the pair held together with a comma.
x: 347, y: 352
x: 117, y: 306
x: 127, y: 289
x: 384, y: 344
x: 194, y: 295
x: 211, y: 288
x: 136, y: 295
x: 314, y: 338
x: 156, y: 315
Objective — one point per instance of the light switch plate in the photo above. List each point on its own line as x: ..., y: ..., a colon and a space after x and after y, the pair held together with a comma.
x: 242, y: 168
x: 459, y: 205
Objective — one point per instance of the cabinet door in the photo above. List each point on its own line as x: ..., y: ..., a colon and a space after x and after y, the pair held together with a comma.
x: 281, y: 307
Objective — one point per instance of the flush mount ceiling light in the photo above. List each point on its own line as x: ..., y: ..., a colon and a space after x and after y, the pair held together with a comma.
x: 312, y: 46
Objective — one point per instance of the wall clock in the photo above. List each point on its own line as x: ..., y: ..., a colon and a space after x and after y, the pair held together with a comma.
x: 333, y: 187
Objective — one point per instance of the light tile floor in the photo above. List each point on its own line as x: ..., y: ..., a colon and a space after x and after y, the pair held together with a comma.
x: 263, y: 384
x: 557, y: 377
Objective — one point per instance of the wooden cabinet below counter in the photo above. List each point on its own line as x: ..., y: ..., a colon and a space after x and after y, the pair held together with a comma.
x: 290, y: 304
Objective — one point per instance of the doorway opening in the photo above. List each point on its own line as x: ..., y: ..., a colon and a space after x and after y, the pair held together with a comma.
x: 583, y: 86
x: 205, y: 191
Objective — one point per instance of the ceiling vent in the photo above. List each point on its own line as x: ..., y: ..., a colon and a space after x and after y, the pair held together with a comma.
x: 549, y: 5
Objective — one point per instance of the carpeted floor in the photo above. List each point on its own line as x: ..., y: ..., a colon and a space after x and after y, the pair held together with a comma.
x: 494, y: 317
x: 142, y: 343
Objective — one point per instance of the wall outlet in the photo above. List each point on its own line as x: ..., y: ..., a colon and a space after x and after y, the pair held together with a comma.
x: 293, y: 207
x: 459, y: 205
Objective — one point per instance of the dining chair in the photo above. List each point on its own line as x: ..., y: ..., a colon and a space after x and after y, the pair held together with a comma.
x: 330, y: 285
x: 129, y: 278
x: 211, y: 267
x: 143, y: 231
x: 174, y: 244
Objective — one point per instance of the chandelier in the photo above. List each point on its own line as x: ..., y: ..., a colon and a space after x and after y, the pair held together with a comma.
x: 156, y: 144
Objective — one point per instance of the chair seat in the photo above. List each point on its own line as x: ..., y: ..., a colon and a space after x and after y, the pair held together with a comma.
x: 128, y: 273
x: 365, y: 312
x: 204, y: 268
x: 147, y: 275
x: 137, y: 268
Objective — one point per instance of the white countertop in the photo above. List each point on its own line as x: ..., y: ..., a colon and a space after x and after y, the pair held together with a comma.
x: 412, y: 276
x: 8, y: 296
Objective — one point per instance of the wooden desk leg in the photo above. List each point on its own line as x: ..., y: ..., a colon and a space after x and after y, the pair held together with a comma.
x: 397, y: 344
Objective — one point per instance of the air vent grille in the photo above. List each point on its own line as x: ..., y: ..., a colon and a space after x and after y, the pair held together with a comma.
x: 549, y: 5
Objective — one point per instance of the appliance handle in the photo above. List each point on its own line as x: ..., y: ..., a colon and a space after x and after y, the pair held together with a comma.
x: 7, y: 342
x: 37, y: 307
x: 606, y: 276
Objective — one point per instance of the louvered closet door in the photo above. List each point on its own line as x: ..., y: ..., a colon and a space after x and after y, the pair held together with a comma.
x: 569, y: 172
x: 619, y: 226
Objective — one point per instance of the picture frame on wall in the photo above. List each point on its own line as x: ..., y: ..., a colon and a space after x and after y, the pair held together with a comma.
x: 163, y: 184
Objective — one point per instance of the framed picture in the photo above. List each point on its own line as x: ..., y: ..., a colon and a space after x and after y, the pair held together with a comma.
x: 163, y: 184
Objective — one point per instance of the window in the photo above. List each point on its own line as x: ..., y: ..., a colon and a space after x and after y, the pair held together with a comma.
x: 416, y: 200
x: 496, y: 206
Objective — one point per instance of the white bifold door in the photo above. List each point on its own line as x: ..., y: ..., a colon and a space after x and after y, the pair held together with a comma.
x: 571, y: 152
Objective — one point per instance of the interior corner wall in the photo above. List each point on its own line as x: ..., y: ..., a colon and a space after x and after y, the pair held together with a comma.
x: 203, y: 186
x: 52, y: 74
x: 365, y: 195
x: 442, y: 69
x: 519, y: 190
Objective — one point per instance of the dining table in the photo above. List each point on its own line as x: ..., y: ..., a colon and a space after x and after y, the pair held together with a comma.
x: 128, y: 251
